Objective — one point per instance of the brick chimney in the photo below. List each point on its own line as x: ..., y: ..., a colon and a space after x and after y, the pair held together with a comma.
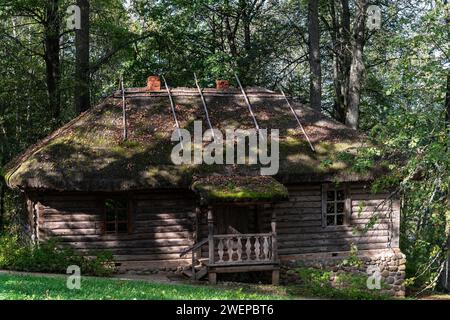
x: 222, y: 84
x: 153, y: 83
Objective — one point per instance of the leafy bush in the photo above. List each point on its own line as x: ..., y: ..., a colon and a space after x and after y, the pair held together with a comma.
x: 51, y: 256
x: 353, y: 260
x: 342, y: 285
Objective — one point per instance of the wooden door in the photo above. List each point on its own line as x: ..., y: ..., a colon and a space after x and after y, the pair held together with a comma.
x: 240, y: 218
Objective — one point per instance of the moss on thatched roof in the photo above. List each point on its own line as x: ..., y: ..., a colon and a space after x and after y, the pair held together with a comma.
x: 89, y: 154
x: 222, y: 189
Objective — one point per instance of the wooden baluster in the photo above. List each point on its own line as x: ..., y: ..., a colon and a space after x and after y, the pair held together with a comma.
x: 230, y: 249
x: 248, y: 249
x: 239, y: 249
x: 257, y: 248
x: 220, y: 247
x: 266, y: 248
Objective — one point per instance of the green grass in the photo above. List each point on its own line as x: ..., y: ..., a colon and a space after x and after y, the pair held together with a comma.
x: 26, y: 287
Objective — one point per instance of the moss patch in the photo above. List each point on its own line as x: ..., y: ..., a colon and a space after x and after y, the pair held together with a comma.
x: 234, y: 188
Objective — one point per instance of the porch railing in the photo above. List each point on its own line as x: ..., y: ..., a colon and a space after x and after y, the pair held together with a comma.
x: 234, y: 249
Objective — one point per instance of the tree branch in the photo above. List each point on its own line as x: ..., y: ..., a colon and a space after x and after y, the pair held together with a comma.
x: 97, y: 65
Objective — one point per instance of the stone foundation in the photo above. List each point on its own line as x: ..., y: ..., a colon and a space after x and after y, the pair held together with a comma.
x: 389, y: 264
x: 152, y: 267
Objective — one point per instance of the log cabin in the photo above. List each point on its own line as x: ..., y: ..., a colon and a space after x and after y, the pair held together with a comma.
x: 105, y: 180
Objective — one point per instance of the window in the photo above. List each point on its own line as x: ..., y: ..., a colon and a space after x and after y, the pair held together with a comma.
x: 116, y: 215
x: 335, y: 205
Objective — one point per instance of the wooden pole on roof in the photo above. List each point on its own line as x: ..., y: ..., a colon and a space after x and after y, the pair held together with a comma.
x: 247, y: 102
x: 298, y: 120
x: 124, y: 110
x: 204, y: 104
x: 172, y: 105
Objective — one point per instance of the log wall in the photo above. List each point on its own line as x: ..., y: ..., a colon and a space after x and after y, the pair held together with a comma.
x: 300, y: 230
x: 164, y: 223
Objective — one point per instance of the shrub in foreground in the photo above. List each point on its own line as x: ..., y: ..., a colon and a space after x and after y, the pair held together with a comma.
x: 51, y: 256
x: 327, y: 284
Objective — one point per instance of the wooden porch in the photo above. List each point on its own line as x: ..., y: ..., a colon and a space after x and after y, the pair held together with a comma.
x: 234, y: 252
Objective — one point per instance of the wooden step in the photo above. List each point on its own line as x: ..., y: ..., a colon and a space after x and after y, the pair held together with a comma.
x: 204, y: 261
x: 187, y: 273
x: 201, y: 273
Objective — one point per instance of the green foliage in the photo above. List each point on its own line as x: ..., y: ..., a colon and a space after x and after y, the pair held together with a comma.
x: 353, y: 260
x: 343, y: 285
x: 403, y: 111
x: 50, y: 256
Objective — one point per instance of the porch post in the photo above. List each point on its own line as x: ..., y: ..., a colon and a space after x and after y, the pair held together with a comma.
x: 195, y: 253
x: 275, y: 272
x: 211, y: 275
x: 273, y: 225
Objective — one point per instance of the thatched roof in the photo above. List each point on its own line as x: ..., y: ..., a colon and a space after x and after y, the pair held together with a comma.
x: 89, y: 154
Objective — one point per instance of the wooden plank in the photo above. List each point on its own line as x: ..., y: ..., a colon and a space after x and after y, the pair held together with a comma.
x: 311, y: 230
x: 289, y: 224
x: 70, y: 232
x: 298, y: 204
x: 124, y: 237
x: 137, y: 254
x: 304, y: 198
x: 368, y: 196
x: 167, y: 204
x: 72, y: 218
x: 330, y: 235
x: 244, y: 268
x: 331, y: 241
x: 69, y: 211
x: 324, y: 249
x: 132, y: 243
x: 164, y: 216
x: 166, y: 222
x: 296, y: 211
x: 69, y: 205
x: 71, y: 225
x: 299, y: 217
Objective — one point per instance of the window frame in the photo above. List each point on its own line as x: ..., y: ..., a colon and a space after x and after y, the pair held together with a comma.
x: 347, y: 204
x: 128, y: 221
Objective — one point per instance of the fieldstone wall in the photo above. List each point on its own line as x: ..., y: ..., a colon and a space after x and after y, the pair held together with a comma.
x: 389, y: 265
x: 151, y: 268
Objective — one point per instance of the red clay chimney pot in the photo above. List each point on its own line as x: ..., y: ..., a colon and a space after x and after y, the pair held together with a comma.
x: 222, y: 84
x: 153, y: 83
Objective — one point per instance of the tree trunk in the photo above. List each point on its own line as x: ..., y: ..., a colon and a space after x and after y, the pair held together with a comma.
x: 356, y: 67
x: 230, y: 31
x: 2, y: 205
x: 53, y: 73
x: 246, y: 12
x: 447, y: 126
x: 315, y: 84
x: 342, y: 56
x: 82, y: 76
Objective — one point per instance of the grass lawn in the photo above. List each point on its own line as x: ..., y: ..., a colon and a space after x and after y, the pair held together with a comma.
x: 27, y: 287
